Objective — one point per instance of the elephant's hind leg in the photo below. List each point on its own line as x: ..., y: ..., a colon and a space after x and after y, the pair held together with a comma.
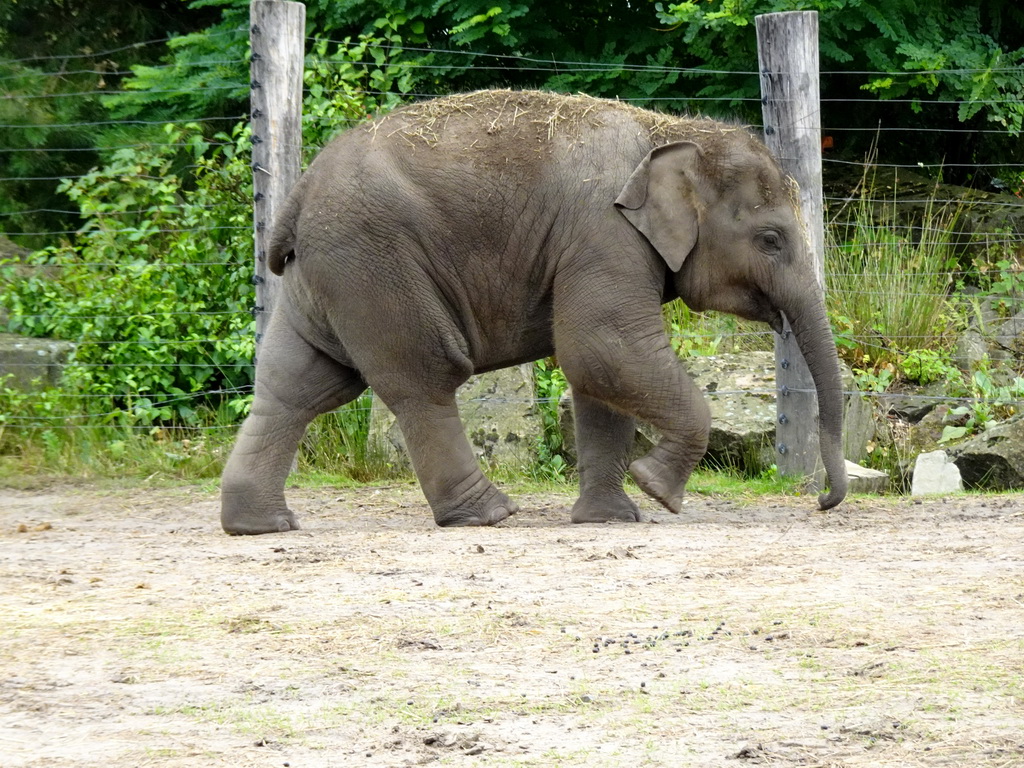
x: 459, y: 494
x: 603, y: 440
x: 294, y: 384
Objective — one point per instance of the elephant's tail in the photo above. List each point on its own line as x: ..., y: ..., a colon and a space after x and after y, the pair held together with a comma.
x: 282, y: 237
x: 282, y: 250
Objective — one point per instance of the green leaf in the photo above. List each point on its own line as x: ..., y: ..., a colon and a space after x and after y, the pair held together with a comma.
x: 950, y: 433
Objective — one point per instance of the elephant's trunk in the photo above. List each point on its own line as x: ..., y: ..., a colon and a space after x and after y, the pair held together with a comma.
x: 814, y: 337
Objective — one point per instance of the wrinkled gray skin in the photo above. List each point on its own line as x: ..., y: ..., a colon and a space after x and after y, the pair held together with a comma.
x: 485, y: 230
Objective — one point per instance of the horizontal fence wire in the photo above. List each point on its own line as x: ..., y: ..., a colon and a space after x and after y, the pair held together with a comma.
x: 67, y: 421
x: 126, y: 400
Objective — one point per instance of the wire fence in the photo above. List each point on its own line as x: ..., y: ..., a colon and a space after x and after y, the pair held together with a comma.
x: 982, y: 231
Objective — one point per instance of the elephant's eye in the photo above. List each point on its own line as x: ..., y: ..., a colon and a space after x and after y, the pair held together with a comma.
x: 769, y: 241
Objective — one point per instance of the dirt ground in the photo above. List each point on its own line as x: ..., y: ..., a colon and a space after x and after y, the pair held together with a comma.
x: 133, y: 632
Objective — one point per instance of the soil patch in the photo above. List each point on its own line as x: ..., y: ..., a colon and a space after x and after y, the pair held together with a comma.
x: 883, y: 633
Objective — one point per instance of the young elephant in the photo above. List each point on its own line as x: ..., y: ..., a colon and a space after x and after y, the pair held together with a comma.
x: 479, y: 231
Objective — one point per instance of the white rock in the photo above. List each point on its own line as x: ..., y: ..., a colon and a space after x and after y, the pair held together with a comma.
x: 934, y: 472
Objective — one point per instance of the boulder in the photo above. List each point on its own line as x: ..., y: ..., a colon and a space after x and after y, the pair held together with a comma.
x: 31, y: 363
x: 498, y: 412
x: 740, y: 390
x: 924, y: 436
x: 935, y: 472
x: 995, y: 334
x: 971, y: 349
x: 993, y: 460
x: 914, y: 405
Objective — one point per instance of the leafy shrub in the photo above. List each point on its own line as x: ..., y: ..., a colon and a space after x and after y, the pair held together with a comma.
x: 925, y: 366
x: 156, y: 291
x: 550, y: 385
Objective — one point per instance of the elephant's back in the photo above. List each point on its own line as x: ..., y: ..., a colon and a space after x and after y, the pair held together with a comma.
x: 522, y: 125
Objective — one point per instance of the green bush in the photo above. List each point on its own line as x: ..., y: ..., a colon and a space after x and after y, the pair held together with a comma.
x: 156, y: 290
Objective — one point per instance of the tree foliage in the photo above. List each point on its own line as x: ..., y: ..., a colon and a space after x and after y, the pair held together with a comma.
x: 74, y: 66
x: 155, y: 291
x: 57, y: 58
x: 891, y: 63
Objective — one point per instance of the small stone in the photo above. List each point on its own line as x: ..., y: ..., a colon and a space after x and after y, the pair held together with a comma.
x: 935, y: 473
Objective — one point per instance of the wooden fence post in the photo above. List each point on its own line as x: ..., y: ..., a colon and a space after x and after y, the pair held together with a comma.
x: 787, y: 46
x: 277, y: 35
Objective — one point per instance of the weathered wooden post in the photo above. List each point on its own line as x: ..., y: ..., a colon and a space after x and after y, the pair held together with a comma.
x: 277, y: 35
x: 787, y: 45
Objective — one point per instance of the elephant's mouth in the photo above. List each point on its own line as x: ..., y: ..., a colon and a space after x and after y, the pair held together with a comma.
x: 777, y: 321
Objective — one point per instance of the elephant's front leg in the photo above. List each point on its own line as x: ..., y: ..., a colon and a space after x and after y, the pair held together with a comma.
x: 457, y: 491
x: 664, y: 472
x: 603, y: 441
x: 620, y: 354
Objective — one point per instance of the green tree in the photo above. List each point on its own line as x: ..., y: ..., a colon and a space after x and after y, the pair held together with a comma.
x: 58, y: 58
x: 917, y: 65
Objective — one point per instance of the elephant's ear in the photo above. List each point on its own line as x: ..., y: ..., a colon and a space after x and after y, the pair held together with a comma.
x: 660, y: 200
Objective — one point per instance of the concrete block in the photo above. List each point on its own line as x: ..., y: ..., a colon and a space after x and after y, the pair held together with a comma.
x: 864, y: 480
x: 28, y: 361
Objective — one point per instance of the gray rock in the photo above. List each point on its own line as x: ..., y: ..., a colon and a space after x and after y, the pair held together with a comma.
x: 865, y: 480
x: 915, y: 405
x: 934, y: 472
x: 497, y: 409
x: 32, y: 363
x: 384, y: 439
x: 924, y: 436
x: 740, y: 388
x: 992, y: 335
x: 740, y: 391
x: 1008, y: 338
x: 971, y: 349
x: 500, y: 416
x: 994, y: 460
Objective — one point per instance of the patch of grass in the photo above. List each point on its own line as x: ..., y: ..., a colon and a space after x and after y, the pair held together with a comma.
x: 339, y: 443
x: 34, y: 443
x: 694, y: 334
x: 888, y: 282
x: 730, y: 483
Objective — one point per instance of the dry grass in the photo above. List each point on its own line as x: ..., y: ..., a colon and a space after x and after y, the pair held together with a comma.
x: 542, y: 115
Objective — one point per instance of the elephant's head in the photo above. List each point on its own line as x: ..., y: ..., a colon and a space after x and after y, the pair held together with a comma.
x: 725, y: 219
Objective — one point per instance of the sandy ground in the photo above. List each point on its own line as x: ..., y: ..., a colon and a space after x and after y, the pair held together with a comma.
x: 884, y: 633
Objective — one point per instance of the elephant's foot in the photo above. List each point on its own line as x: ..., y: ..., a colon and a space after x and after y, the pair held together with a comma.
x: 659, y: 482
x: 490, y: 508
x: 240, y: 516
x: 602, y: 509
